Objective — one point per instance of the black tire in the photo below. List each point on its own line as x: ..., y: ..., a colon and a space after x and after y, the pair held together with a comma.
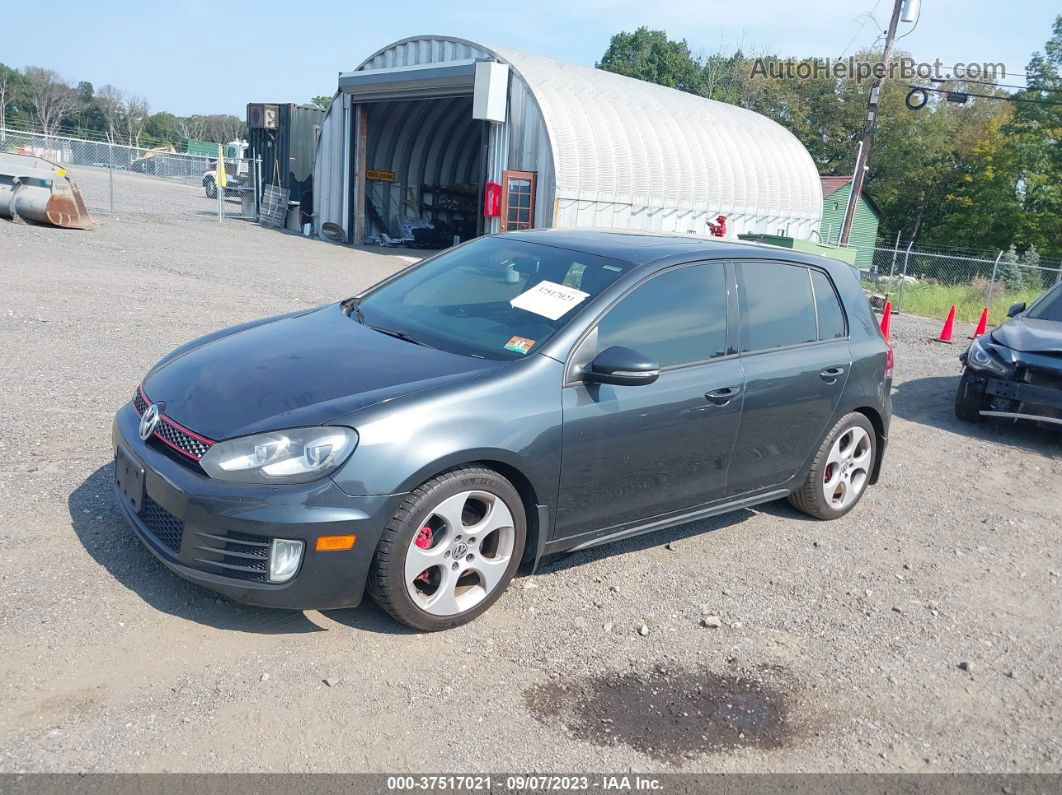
x: 386, y: 582
x: 210, y: 187
x: 809, y: 498
x: 969, y: 398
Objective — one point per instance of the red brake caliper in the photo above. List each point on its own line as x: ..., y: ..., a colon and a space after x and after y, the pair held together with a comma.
x: 423, y: 540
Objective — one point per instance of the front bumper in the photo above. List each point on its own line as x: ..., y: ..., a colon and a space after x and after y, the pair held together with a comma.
x: 215, y: 534
x: 1022, y: 401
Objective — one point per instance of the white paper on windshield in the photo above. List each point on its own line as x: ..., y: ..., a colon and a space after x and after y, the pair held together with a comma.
x: 549, y: 299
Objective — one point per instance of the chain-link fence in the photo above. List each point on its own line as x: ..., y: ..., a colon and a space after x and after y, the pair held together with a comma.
x: 128, y: 180
x: 929, y: 283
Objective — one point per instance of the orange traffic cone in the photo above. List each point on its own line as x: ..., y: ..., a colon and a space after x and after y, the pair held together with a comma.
x: 982, y: 324
x: 886, y: 320
x: 945, y: 333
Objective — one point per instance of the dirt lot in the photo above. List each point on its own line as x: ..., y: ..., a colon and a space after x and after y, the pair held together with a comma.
x: 922, y: 632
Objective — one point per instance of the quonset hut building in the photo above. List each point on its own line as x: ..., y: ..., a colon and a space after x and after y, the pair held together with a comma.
x: 479, y: 139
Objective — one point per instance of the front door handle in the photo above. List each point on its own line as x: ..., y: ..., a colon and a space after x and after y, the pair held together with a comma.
x: 720, y: 397
x: 831, y: 374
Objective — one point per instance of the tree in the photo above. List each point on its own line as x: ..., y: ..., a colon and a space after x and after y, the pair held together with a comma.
x: 10, y: 82
x: 135, y: 114
x: 163, y: 127
x: 51, y: 97
x: 321, y: 102
x: 194, y: 127
x: 1033, y: 138
x: 1010, y: 272
x: 649, y: 55
x: 111, y: 102
x: 1033, y: 277
x: 224, y: 127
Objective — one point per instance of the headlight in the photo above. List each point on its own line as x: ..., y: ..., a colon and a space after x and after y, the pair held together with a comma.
x: 298, y: 455
x: 980, y: 358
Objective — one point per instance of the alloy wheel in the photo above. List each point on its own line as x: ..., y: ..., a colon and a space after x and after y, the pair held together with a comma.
x: 460, y: 554
x: 847, y: 468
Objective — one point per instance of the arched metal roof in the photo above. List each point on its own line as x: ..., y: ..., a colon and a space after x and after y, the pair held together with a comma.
x: 615, y: 138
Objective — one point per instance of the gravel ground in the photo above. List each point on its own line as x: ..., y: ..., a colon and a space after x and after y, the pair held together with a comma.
x: 919, y: 633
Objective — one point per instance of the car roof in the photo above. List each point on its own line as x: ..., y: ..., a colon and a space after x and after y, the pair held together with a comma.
x: 641, y: 248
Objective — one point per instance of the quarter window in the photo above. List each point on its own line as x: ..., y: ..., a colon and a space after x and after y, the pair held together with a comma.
x: 831, y: 318
x: 779, y: 306
x: 676, y: 318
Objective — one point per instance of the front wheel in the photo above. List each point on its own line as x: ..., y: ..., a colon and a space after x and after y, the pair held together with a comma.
x: 840, y: 471
x: 969, y: 398
x: 210, y: 187
x: 451, y: 549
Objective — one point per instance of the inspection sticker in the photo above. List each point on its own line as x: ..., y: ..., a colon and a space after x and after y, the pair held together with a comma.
x: 549, y: 299
x: 519, y: 344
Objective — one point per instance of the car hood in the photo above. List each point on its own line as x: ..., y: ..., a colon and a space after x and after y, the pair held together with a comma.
x: 295, y: 370
x: 1030, y: 335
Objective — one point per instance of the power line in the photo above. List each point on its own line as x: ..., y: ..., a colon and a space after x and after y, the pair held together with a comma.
x: 990, y: 83
x: 867, y: 16
x: 984, y: 96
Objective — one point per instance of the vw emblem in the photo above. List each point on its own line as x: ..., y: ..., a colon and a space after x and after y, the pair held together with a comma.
x: 460, y: 550
x: 148, y: 421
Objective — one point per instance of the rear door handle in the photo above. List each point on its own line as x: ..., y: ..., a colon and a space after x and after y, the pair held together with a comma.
x: 831, y: 374
x: 720, y: 397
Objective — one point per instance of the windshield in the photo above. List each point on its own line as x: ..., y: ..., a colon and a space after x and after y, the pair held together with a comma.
x: 1049, y: 307
x: 495, y: 298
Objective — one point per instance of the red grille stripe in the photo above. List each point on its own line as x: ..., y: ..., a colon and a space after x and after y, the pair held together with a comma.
x: 182, y: 429
x: 176, y: 426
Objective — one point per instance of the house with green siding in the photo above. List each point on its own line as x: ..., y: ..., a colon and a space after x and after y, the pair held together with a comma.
x: 864, y: 234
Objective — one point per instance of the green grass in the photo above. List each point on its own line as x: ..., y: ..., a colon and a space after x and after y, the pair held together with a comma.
x: 934, y: 300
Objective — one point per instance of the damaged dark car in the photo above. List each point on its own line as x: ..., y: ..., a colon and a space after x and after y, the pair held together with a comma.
x: 1015, y: 371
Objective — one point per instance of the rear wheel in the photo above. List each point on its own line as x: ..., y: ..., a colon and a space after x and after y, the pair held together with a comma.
x: 451, y: 549
x: 969, y: 398
x: 840, y: 471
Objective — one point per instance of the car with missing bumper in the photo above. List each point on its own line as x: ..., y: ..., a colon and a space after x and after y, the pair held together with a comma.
x: 1015, y: 371
x: 514, y: 397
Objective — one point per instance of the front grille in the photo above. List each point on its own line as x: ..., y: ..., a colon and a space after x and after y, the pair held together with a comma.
x: 179, y: 438
x: 139, y: 403
x: 242, y: 556
x: 162, y: 524
x: 171, y: 434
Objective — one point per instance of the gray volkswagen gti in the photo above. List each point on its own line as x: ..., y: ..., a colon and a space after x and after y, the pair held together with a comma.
x: 514, y: 397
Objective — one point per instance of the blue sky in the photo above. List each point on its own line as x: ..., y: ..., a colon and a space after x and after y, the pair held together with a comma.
x: 205, y: 57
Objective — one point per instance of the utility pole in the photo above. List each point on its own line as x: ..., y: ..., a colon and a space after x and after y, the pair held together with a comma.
x: 860, y: 175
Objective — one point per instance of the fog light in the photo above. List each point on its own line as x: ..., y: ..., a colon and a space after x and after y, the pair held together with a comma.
x: 284, y: 558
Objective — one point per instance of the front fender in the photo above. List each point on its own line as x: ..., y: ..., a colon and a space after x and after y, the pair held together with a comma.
x: 511, y: 416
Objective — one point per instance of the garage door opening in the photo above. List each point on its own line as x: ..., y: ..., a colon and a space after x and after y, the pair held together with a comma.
x: 424, y: 166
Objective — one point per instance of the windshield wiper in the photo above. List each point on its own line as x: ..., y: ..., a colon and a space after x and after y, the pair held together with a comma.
x: 401, y: 335
x: 352, y: 304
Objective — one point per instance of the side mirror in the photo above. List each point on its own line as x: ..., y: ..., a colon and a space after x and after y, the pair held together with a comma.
x: 622, y: 367
x: 1016, y: 309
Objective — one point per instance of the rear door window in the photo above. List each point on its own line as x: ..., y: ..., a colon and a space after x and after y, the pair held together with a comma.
x: 779, y: 306
x: 828, y: 307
